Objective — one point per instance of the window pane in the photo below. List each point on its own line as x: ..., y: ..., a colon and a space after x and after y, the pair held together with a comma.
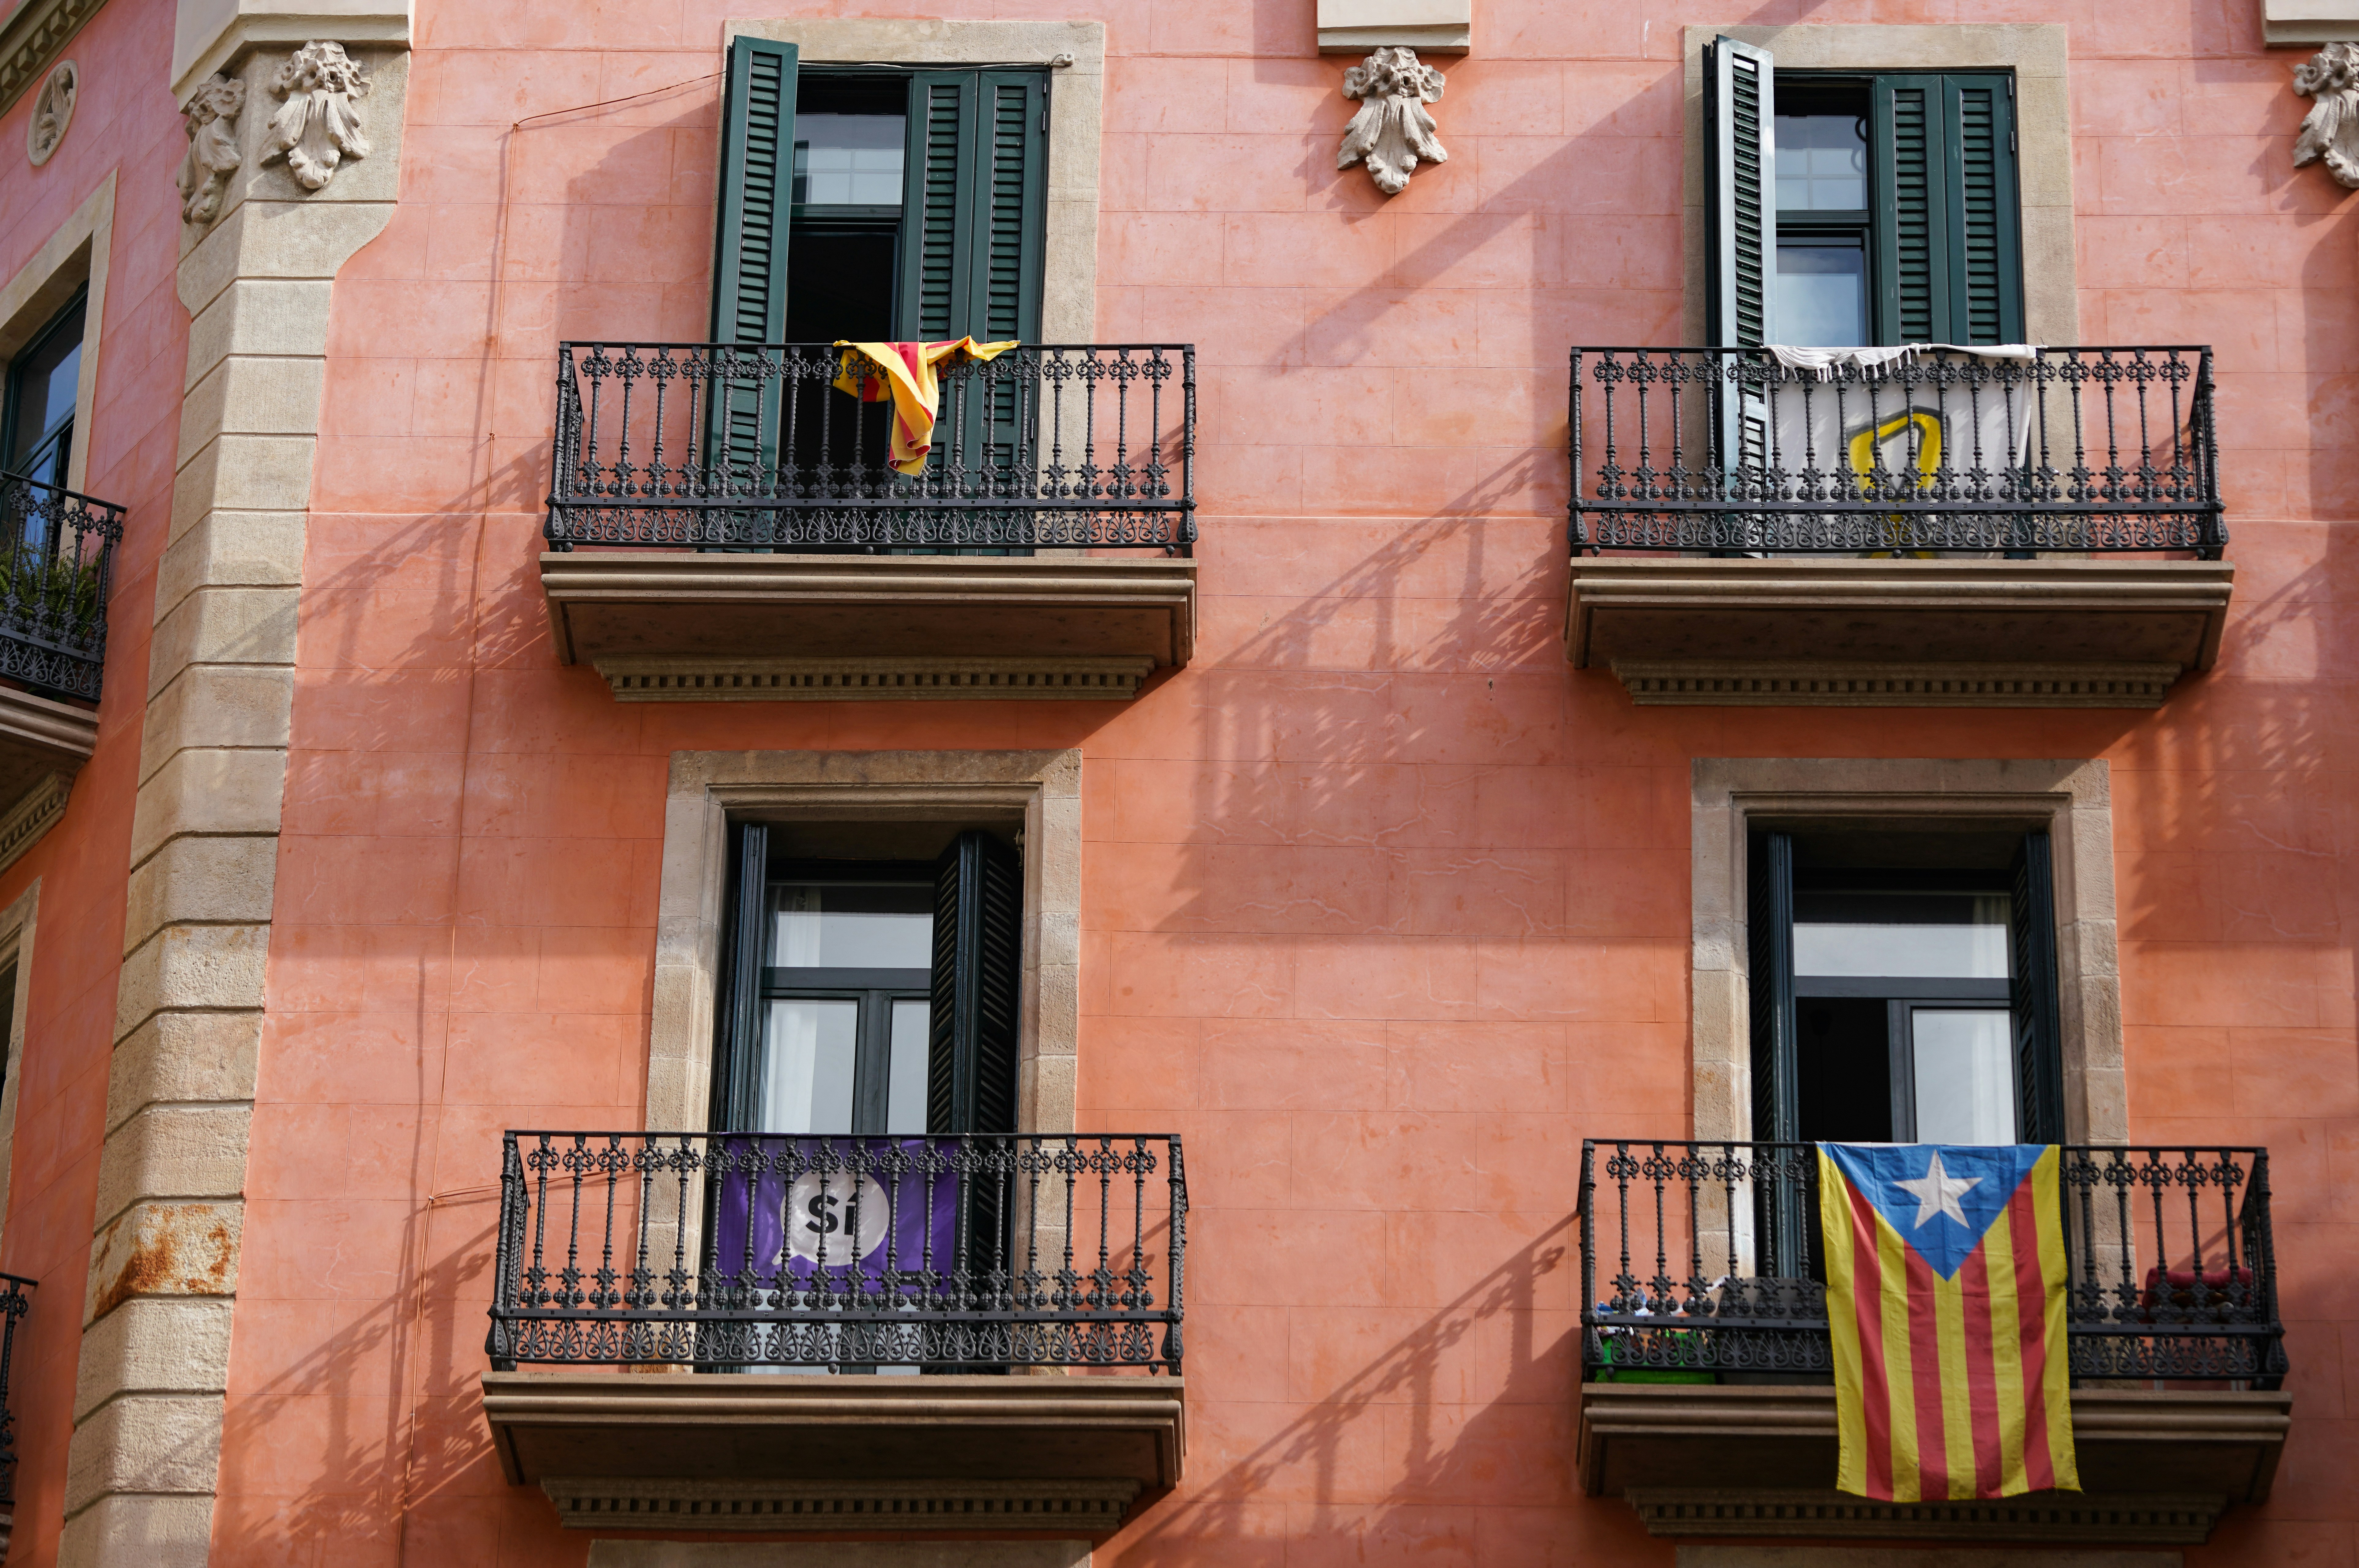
x: 1822, y: 163
x: 41, y: 385
x: 1965, y: 1081
x: 853, y: 159
x: 904, y: 1096
x: 1821, y: 293
x: 851, y: 925
x: 1946, y: 935
x: 807, y: 1069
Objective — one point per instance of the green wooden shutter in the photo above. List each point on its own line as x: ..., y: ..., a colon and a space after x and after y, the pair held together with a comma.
x: 975, y: 204
x: 1776, y: 1067
x: 936, y: 239
x: 1911, y: 228
x: 757, y: 155
x: 1985, y: 216
x: 749, y: 256
x: 737, y: 1085
x: 2032, y: 987
x: 1011, y: 209
x: 1948, y: 220
x: 978, y: 948
x: 1740, y: 105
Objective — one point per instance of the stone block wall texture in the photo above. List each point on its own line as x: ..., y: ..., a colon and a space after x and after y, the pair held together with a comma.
x: 1384, y: 907
x: 125, y: 127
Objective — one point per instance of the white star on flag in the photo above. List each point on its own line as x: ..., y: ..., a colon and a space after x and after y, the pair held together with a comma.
x: 1937, y: 1191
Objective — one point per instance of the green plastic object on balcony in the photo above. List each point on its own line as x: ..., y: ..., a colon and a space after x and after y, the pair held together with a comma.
x: 1609, y: 1373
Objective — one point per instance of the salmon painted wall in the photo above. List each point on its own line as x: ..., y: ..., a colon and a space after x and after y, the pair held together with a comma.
x: 123, y: 125
x: 1385, y: 907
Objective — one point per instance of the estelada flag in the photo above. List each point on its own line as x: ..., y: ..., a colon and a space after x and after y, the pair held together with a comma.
x: 1945, y: 1293
x: 908, y: 379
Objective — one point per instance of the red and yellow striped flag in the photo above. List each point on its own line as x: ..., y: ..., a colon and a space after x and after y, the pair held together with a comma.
x: 1945, y: 1293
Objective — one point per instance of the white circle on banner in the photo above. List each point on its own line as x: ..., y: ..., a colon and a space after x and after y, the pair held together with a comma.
x: 820, y: 1209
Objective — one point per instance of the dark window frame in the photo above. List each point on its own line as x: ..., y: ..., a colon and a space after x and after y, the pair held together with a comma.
x: 971, y: 1026
x: 59, y: 438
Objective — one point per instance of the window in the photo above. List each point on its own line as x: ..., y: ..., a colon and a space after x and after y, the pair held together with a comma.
x: 37, y: 426
x: 915, y: 201
x: 1904, y: 1004
x: 872, y: 996
x: 1899, y: 1002
x: 1861, y: 209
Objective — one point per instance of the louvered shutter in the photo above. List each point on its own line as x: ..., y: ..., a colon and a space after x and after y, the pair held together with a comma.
x: 1011, y: 209
x: 738, y: 1084
x: 978, y: 948
x: 749, y: 259
x: 937, y: 238
x: 1777, y: 1100
x: 1740, y: 105
x: 1906, y: 122
x: 2032, y: 987
x: 1987, y: 252
x: 1948, y: 224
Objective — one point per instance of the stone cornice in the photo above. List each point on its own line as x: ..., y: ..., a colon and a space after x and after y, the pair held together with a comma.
x: 35, y: 33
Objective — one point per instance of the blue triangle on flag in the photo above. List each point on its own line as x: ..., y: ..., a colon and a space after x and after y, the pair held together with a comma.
x: 1939, y: 1197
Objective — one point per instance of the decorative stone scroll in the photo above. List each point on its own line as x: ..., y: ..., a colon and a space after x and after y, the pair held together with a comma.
x: 1392, y: 130
x: 2331, y: 130
x: 53, y: 109
x: 211, y: 116
x: 317, y: 127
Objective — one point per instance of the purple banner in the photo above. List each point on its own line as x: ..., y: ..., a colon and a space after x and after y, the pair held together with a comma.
x: 834, y: 1218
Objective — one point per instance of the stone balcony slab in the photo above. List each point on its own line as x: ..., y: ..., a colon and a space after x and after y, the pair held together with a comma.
x: 680, y: 626
x: 681, y: 1452
x: 2156, y: 1467
x: 1854, y: 633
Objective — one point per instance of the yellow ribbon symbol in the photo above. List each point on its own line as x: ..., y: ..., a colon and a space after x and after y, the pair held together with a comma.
x: 1869, y: 438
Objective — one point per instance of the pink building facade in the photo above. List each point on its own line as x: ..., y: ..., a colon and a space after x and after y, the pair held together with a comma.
x: 1361, y: 825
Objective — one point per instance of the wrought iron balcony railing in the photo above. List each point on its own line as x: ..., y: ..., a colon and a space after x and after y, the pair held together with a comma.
x: 721, y: 446
x: 1731, y: 451
x: 14, y: 1303
x: 1704, y: 1258
x: 57, y: 568
x: 737, y: 1251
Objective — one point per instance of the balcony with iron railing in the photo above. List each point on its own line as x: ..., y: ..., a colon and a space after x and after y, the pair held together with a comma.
x: 1707, y: 1361
x: 57, y: 569
x: 1950, y: 527
x: 929, y: 1290
x: 725, y: 521
x: 13, y: 1304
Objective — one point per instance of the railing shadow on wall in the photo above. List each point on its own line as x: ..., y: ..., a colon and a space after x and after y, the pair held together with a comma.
x: 1311, y: 1462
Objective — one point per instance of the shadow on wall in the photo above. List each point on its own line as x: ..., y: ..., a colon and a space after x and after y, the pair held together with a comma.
x: 1436, y: 1467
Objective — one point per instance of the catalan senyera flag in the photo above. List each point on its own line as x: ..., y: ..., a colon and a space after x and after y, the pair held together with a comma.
x: 908, y: 380
x: 1945, y: 1293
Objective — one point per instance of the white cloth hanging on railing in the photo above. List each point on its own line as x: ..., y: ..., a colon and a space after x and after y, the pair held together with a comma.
x: 1823, y: 363
x: 1914, y: 435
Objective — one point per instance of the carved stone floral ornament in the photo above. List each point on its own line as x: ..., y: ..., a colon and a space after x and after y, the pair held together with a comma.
x: 211, y: 116
x: 1391, y: 129
x: 2331, y: 130
x: 53, y: 108
x: 317, y: 127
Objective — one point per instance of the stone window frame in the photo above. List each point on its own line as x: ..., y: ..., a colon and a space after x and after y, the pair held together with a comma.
x: 16, y: 926
x: 2033, y: 51
x: 1040, y: 789
x: 1069, y: 272
x: 2071, y: 798
x: 73, y: 256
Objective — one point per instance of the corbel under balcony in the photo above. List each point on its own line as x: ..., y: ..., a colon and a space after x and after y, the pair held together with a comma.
x: 43, y: 744
x: 2157, y: 1467
x: 664, y: 625
x: 676, y: 1451
x: 1838, y: 632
